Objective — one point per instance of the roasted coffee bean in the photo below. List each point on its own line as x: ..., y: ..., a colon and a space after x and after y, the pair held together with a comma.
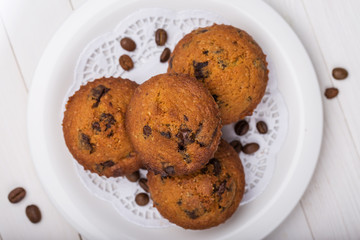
x: 142, y: 199
x: 160, y: 37
x: 236, y: 145
x: 16, y: 195
x: 339, y: 73
x: 250, y: 148
x: 241, y: 127
x: 143, y: 184
x: 128, y: 44
x: 126, y: 62
x: 134, y: 176
x: 33, y: 213
x: 147, y: 130
x: 165, y: 55
x: 261, y: 127
x: 331, y: 93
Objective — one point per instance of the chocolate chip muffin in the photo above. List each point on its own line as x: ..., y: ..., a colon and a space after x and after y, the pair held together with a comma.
x: 174, y: 124
x: 229, y: 62
x: 205, y: 198
x: 94, y: 127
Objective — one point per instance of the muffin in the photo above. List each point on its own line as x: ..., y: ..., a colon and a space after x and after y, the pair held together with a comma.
x: 205, y: 198
x: 94, y: 127
x: 174, y: 124
x: 230, y: 64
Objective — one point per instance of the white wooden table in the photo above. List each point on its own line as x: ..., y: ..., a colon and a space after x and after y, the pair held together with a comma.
x: 330, y: 31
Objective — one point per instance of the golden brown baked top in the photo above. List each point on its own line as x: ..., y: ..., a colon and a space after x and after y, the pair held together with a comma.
x: 205, y: 198
x: 174, y: 124
x: 94, y: 127
x: 229, y: 62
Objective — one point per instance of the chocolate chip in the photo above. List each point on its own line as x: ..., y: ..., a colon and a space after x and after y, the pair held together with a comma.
x: 97, y: 93
x: 217, y: 166
x: 331, y: 93
x: 16, y: 195
x: 33, y: 213
x: 165, y: 55
x: 96, y: 126
x: 222, y: 64
x: 108, y: 163
x: 147, y: 130
x: 202, y: 31
x: 185, y: 136
x: 111, y: 133
x: 181, y: 147
x: 186, y: 118
x: 166, y: 134
x: 170, y: 62
x: 143, y: 184
x: 128, y: 44
x: 261, y: 127
x: 85, y: 142
x: 179, y: 202
x: 199, y: 71
x: 339, y: 73
x: 192, y: 214
x: 134, y: 176
x: 205, y: 52
x: 241, y: 127
x: 170, y: 170
x: 250, y: 148
x: 236, y: 145
x: 215, y: 97
x: 108, y: 119
x: 126, y: 62
x: 142, y: 199
x: 160, y: 37
x: 222, y: 188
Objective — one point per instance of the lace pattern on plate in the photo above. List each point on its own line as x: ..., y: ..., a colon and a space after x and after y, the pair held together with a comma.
x: 101, y: 58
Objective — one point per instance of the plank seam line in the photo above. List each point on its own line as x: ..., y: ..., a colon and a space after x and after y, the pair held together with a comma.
x: 307, y: 220
x: 331, y: 80
x: 13, y: 52
x: 71, y: 5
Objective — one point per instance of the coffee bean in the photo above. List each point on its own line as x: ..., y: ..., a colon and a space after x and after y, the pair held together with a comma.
x: 134, y: 176
x: 16, y: 195
x: 241, y: 127
x: 250, y: 148
x: 236, y: 145
x: 143, y: 184
x: 126, y: 62
x: 160, y: 37
x: 339, y: 73
x: 33, y: 213
x: 142, y: 199
x: 165, y: 55
x: 128, y: 44
x: 331, y: 93
x: 262, y: 127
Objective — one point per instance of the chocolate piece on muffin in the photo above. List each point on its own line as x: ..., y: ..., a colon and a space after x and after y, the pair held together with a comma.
x: 230, y: 64
x: 94, y: 127
x: 205, y: 198
x: 174, y: 124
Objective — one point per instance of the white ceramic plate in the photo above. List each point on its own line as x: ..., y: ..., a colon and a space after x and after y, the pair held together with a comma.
x: 95, y: 218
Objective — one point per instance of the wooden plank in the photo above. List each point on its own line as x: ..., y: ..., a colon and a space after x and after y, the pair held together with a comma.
x: 330, y: 204
x: 30, y: 26
x: 77, y: 3
x: 16, y: 166
x: 294, y: 227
